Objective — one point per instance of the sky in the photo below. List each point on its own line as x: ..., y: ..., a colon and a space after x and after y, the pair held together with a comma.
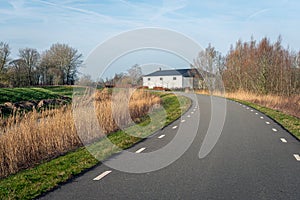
x: 84, y: 24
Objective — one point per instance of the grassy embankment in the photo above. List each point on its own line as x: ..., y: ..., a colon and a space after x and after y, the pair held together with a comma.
x: 32, y: 182
x: 26, y: 94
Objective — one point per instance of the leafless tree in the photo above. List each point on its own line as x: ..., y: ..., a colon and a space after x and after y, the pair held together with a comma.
x: 63, y: 61
x: 31, y: 60
x: 210, y: 63
x: 135, y: 74
x: 17, y: 73
x: 4, y: 59
x: 4, y: 55
x: 262, y: 67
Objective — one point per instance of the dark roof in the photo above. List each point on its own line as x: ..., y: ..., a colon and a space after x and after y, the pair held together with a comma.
x: 173, y: 72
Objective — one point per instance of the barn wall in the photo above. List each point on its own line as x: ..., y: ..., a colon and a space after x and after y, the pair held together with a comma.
x: 167, y: 81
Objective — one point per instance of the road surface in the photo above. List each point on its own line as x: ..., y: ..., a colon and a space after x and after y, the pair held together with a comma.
x: 254, y: 158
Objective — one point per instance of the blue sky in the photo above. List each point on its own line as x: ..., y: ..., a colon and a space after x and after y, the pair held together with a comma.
x: 84, y: 24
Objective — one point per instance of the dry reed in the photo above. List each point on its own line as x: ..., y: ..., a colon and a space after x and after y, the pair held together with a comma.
x: 35, y: 137
x: 288, y: 105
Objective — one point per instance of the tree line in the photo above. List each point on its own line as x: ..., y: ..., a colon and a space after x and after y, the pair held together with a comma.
x: 55, y: 66
x: 261, y: 67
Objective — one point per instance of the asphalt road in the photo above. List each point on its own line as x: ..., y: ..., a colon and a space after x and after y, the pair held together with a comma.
x: 254, y: 158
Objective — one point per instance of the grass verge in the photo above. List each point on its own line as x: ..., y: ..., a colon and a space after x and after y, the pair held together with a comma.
x: 33, y: 182
x: 290, y: 123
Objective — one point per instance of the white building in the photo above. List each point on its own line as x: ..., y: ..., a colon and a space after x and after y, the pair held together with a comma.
x: 172, y: 79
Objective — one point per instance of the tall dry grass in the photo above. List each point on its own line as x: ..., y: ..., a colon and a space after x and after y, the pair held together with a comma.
x: 288, y: 105
x: 26, y: 140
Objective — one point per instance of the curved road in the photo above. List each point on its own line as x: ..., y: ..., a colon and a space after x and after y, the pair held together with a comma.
x: 254, y: 158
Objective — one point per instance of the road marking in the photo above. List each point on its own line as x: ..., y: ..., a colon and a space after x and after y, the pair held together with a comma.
x: 256, y: 113
x: 192, y: 112
x: 161, y: 136
x: 251, y: 110
x: 140, y: 150
x: 247, y: 108
x: 274, y: 129
x: 174, y: 127
x: 297, y: 157
x: 189, y: 116
x: 244, y: 106
x: 261, y: 117
x: 102, y: 175
x: 267, y: 122
x: 183, y: 120
x: 283, y: 140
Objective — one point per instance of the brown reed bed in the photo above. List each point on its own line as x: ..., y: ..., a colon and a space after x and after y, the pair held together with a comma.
x: 29, y: 139
x: 287, y: 104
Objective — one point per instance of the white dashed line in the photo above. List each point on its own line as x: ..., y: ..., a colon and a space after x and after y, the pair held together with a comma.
x: 183, y: 120
x: 140, y: 150
x: 174, y: 127
x: 189, y: 116
x: 102, y: 175
x: 251, y: 110
x: 261, y: 117
x: 192, y: 112
x: 283, y: 140
x: 274, y: 129
x: 267, y: 122
x: 297, y: 157
x: 161, y: 136
x: 256, y: 113
x: 247, y: 108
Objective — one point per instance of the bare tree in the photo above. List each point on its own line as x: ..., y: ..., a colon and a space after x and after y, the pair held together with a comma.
x: 135, y: 74
x: 4, y: 59
x: 63, y: 61
x: 210, y: 63
x: 4, y: 55
x: 17, y: 73
x: 85, y: 80
x: 262, y: 67
x: 31, y: 60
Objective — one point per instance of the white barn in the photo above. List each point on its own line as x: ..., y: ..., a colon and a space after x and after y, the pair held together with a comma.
x: 172, y: 79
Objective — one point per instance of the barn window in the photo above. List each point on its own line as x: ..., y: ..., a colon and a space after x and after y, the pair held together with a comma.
x: 174, y: 78
x: 149, y: 79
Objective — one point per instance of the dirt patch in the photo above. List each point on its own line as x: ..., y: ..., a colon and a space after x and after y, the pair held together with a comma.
x: 9, y: 108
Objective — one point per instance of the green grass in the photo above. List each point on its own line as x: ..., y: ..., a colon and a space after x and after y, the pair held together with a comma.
x: 291, y: 123
x: 61, y: 90
x: 32, y: 182
x: 34, y: 93
x: 25, y: 94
